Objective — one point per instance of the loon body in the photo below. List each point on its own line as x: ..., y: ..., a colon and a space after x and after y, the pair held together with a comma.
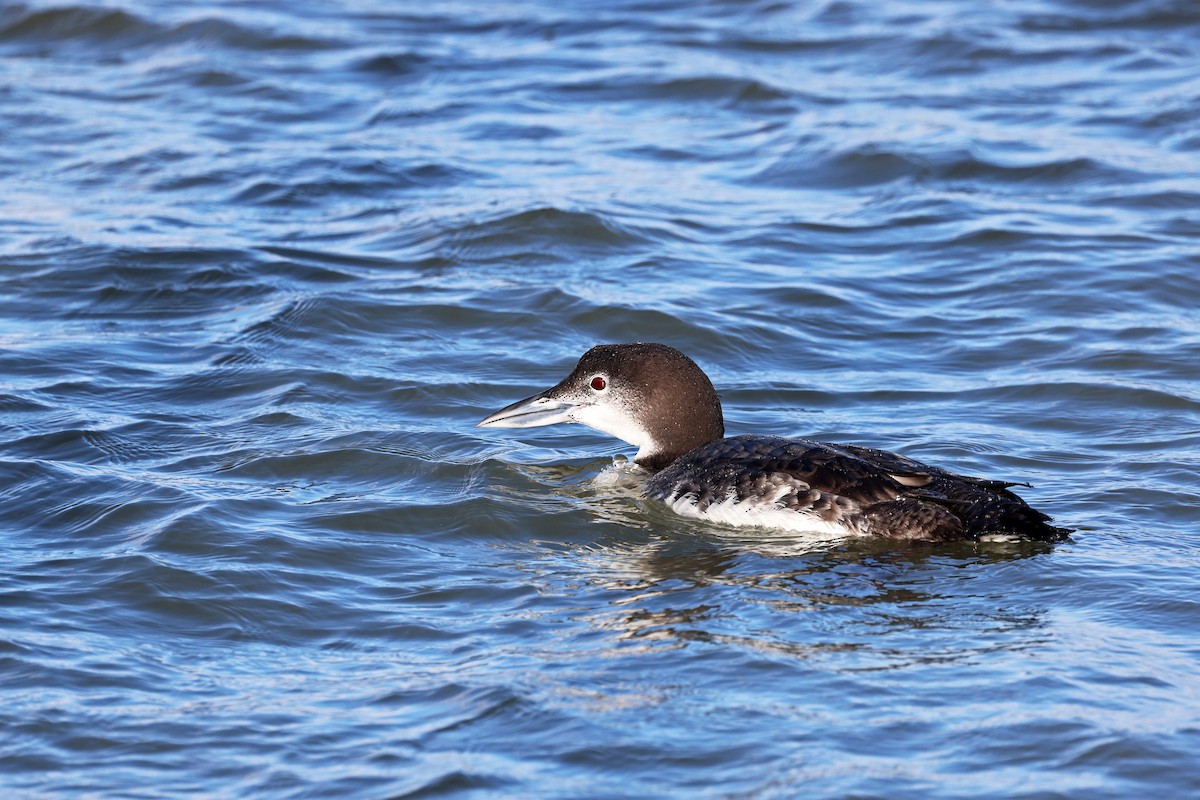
x: 659, y: 400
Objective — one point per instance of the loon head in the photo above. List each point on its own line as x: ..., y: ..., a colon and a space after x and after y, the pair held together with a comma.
x: 649, y: 395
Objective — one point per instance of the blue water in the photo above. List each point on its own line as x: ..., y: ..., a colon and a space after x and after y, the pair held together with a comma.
x: 263, y: 266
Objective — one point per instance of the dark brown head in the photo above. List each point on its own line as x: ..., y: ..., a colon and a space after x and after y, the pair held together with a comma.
x: 647, y: 394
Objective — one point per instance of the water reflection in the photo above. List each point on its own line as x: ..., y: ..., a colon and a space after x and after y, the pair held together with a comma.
x: 857, y: 604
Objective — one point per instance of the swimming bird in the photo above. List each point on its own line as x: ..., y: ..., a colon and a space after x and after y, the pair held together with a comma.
x: 657, y: 399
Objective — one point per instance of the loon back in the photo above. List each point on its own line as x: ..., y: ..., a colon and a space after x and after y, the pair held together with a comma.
x: 805, y: 485
x: 659, y: 400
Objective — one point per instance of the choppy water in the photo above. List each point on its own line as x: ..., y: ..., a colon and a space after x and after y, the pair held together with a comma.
x: 263, y: 266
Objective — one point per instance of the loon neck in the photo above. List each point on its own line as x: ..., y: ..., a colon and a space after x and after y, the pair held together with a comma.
x: 685, y: 435
x: 655, y: 460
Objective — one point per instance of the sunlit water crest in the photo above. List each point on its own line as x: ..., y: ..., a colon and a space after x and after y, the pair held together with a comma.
x: 263, y: 266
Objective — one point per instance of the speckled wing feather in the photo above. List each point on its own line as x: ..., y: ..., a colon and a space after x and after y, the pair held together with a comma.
x: 865, y: 491
x: 986, y: 507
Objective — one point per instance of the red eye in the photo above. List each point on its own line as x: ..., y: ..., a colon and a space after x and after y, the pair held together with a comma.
x: 598, y: 383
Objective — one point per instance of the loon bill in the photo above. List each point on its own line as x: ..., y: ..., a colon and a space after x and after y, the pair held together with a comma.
x: 658, y: 400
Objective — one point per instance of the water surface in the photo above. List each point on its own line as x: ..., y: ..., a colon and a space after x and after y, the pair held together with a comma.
x: 262, y: 268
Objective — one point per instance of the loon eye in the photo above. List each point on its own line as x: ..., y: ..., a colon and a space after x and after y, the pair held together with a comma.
x: 598, y: 383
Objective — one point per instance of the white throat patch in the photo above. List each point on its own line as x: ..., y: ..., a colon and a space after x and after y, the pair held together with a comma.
x: 615, y: 421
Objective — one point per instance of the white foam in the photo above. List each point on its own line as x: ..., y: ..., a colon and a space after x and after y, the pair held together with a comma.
x: 624, y: 477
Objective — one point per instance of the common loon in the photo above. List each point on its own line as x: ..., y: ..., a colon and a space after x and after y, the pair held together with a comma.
x: 659, y: 400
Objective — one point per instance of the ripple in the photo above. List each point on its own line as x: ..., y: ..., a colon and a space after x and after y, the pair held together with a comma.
x: 1065, y: 172
x: 523, y: 235
x: 394, y: 65
x: 83, y: 25
x: 857, y: 168
x: 102, y: 30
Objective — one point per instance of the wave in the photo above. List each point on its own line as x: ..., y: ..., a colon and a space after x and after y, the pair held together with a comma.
x: 64, y: 30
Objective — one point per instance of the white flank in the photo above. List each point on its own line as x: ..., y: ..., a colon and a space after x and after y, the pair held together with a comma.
x: 759, y: 512
x: 1001, y: 537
